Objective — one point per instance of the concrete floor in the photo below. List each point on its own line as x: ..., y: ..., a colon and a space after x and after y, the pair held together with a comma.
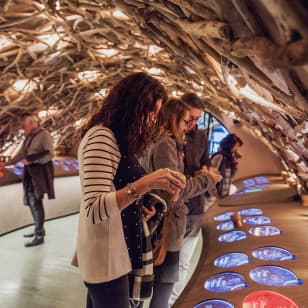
x: 41, y: 276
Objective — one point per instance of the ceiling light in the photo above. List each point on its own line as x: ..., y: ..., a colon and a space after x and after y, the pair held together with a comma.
x: 24, y: 85
x: 88, y: 75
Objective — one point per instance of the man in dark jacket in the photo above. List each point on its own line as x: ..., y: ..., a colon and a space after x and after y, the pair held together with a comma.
x: 36, y: 153
x: 196, y: 157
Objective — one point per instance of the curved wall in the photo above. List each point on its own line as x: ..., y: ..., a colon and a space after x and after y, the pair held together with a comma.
x: 257, y: 158
x: 14, y: 215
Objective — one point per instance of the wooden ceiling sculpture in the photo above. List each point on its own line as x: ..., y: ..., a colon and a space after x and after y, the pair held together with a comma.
x: 247, y: 58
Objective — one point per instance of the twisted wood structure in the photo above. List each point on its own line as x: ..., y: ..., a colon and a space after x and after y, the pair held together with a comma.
x: 245, y: 58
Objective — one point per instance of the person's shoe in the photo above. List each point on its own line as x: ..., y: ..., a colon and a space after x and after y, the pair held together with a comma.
x: 31, y: 234
x: 37, y: 240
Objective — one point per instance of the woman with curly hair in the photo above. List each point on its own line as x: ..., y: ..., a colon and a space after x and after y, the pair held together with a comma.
x: 111, y: 223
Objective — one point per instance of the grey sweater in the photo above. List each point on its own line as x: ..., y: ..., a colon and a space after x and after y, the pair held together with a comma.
x: 37, y: 148
x: 165, y: 153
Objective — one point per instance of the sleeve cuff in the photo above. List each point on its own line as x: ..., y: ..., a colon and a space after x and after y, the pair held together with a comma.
x: 112, y: 208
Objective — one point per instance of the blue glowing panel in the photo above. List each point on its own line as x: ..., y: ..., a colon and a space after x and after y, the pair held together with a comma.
x: 18, y: 168
x: 272, y: 253
x: 225, y: 226
x: 18, y: 171
x: 264, y: 231
x: 75, y: 164
x: 231, y: 260
x: 257, y: 220
x: 251, y: 211
x: 249, y: 182
x: 225, y: 282
x: 214, y: 303
x: 232, y: 236
x: 270, y: 275
x: 262, y: 180
x: 224, y: 216
x: 56, y: 162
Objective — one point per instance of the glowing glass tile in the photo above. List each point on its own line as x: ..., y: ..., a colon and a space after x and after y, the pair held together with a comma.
x: 223, y: 216
x: 257, y: 220
x: 251, y: 211
x: 270, y: 275
x: 214, y: 303
x: 264, y: 231
x: 225, y: 226
x: 56, y: 162
x: 267, y: 299
x: 231, y: 260
x: 272, y: 253
x: 232, y: 236
x: 225, y: 282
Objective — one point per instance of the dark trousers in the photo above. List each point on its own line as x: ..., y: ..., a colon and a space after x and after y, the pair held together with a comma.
x: 38, y: 213
x: 111, y: 294
x: 165, y: 276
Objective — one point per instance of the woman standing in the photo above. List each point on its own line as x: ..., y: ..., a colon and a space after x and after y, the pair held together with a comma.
x: 110, y: 232
x: 167, y: 152
x: 226, y: 160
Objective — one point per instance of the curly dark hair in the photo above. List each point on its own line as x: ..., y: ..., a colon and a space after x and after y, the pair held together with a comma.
x: 228, y: 142
x: 126, y: 111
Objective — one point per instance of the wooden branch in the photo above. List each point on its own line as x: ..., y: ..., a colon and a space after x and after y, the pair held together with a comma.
x: 271, y: 54
x: 208, y: 29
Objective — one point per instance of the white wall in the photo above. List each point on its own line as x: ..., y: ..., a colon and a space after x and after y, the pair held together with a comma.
x: 13, y: 214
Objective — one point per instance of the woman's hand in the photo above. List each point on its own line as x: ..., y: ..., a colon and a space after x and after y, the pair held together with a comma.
x: 166, y: 179
x: 148, y: 212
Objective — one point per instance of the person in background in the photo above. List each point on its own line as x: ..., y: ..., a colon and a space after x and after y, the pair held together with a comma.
x: 226, y: 161
x: 167, y: 152
x: 36, y: 153
x: 111, y: 225
x: 196, y: 157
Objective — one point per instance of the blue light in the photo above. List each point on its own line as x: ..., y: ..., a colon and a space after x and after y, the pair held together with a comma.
x: 57, y: 162
x: 75, y: 164
x: 272, y: 253
x: 270, y: 275
x: 231, y: 260
x: 18, y: 168
x: 232, y: 236
x: 225, y: 226
x: 262, y: 180
x: 225, y: 282
x: 224, y: 216
x: 251, y: 211
x: 264, y: 231
x: 257, y: 220
x: 214, y: 303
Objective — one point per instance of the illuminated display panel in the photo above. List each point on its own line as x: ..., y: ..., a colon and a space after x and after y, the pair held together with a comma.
x: 256, y: 220
x: 264, y: 231
x: 225, y: 226
x: 267, y: 299
x: 250, y: 212
x: 232, y: 259
x: 232, y: 236
x: 214, y: 303
x: 223, y: 216
x: 225, y: 282
x: 272, y: 253
x: 270, y: 275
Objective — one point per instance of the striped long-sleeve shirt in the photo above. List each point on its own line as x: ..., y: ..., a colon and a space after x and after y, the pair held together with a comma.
x: 101, y: 248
